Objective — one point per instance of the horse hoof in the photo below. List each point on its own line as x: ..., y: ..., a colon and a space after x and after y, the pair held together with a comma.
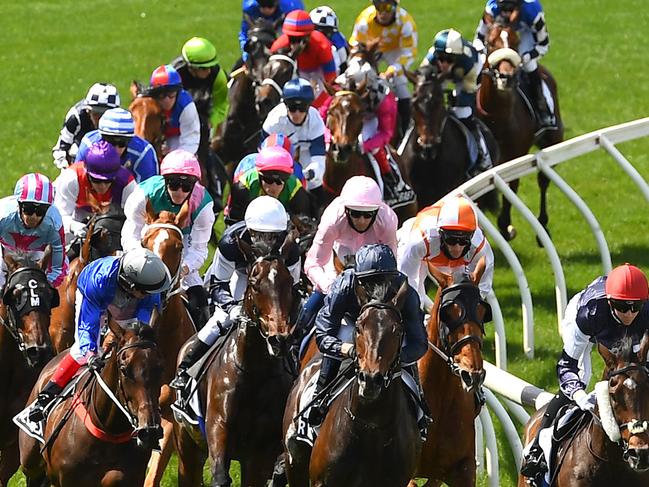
x: 510, y: 233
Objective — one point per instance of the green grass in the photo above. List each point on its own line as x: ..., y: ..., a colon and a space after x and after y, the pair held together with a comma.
x: 54, y: 50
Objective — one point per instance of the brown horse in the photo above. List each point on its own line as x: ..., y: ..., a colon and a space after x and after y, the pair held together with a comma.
x: 344, y: 157
x: 369, y: 435
x: 104, y: 432
x: 280, y: 68
x: 246, y: 383
x: 24, y: 345
x: 451, y: 375
x: 435, y: 156
x: 148, y: 117
x: 509, y: 116
x: 174, y: 327
x: 612, y: 446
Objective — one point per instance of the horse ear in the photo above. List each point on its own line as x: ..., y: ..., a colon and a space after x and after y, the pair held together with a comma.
x: 609, y: 357
x: 135, y: 89
x: 151, y: 215
x: 361, y: 86
x: 443, y: 280
x: 84, y: 255
x: 117, y: 330
x: 513, y: 18
x: 480, y: 268
x: 338, y: 264
x: 289, y: 240
x: 400, y: 298
x: 183, y: 214
x: 246, y: 250
x: 361, y: 294
x: 97, y: 206
x: 9, y: 261
x: 644, y: 348
x: 44, y: 261
x: 411, y: 75
x: 278, y: 23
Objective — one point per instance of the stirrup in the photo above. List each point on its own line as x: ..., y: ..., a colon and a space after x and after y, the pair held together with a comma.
x: 533, y: 463
x: 180, y: 381
x: 317, y: 413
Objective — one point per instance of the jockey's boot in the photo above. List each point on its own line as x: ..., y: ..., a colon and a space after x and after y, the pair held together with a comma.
x: 198, y: 305
x: 404, y: 108
x: 61, y: 376
x: 195, y: 350
x: 426, y: 418
x: 328, y: 371
x: 484, y: 161
x: 545, y: 118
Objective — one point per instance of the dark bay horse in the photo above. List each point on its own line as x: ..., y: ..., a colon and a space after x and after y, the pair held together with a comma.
x: 451, y: 375
x: 246, y: 383
x: 25, y: 345
x: 280, y: 68
x: 369, y: 435
x: 344, y: 156
x: 435, y: 156
x: 612, y: 446
x: 509, y: 116
x: 174, y: 327
x: 103, y: 433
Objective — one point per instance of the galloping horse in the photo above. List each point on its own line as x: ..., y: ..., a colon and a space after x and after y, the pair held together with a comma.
x: 509, y: 116
x: 104, y: 432
x: 174, y: 327
x: 451, y: 375
x: 24, y: 345
x: 612, y: 445
x: 247, y: 381
x: 435, y: 156
x: 280, y: 68
x: 148, y: 117
x: 369, y: 435
x: 344, y: 157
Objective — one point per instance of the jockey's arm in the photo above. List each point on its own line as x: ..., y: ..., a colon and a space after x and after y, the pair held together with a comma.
x: 146, y: 165
x: 318, y: 154
x: 320, y: 252
x: 575, y: 345
x: 483, y: 26
x: 84, y: 145
x: 330, y: 317
x: 541, y: 39
x: 407, y: 43
x: 220, y: 102
x: 190, y: 129
x: 128, y: 190
x: 411, y: 262
x: 135, y: 213
x: 300, y: 204
x: 415, y: 340
x: 243, y: 33
x: 59, y: 261
x: 238, y: 201
x: 70, y: 129
x: 218, y: 277
x: 197, y: 250
x: 88, y: 323
x: 486, y: 281
x: 145, y: 308
x: 386, y: 114
x: 65, y: 197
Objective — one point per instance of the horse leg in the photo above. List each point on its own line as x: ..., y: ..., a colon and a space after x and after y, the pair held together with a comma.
x: 256, y: 471
x: 505, y: 226
x: 462, y: 474
x: 190, y: 459
x: 543, y: 183
x: 159, y: 461
x: 297, y: 463
x: 217, y: 436
x: 9, y: 463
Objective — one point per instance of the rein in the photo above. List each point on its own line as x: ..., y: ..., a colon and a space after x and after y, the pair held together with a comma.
x: 294, y: 70
x: 176, y: 289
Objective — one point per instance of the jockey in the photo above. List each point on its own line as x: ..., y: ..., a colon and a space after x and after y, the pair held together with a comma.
x: 325, y: 20
x: 98, y: 181
x: 29, y: 223
x: 315, y: 60
x: 272, y: 176
x: 355, y: 218
x: 116, y: 127
x: 375, y: 269
x: 302, y: 124
x: 459, y: 62
x: 395, y: 28
x: 445, y: 235
x: 265, y: 225
x: 182, y: 127
x: 271, y: 10
x: 528, y: 19
x: 125, y: 289
x: 81, y: 119
x: 177, y: 183
x: 611, y: 308
x: 378, y: 125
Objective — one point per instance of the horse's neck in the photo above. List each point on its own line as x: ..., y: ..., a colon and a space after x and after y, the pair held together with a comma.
x: 378, y: 414
x: 496, y: 103
x: 103, y: 410
x: 337, y: 173
x: 251, y: 349
x: 174, y: 328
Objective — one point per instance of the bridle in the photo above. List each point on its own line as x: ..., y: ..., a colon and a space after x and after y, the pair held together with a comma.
x: 334, y: 148
x: 430, y: 79
x: 175, y: 280
x: 270, y: 81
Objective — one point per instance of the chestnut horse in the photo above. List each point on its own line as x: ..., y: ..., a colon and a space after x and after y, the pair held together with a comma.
x: 148, y: 117
x: 370, y: 434
x: 435, y: 155
x: 163, y: 235
x: 508, y: 115
x: 104, y: 432
x: 246, y: 383
x: 612, y: 445
x: 24, y: 345
x: 451, y: 375
x: 344, y: 156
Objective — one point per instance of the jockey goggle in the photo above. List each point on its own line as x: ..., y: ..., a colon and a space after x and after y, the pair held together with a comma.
x: 267, y: 3
x: 277, y: 179
x: 456, y: 237
x: 297, y: 106
x: 626, y: 306
x: 271, y: 239
x: 117, y: 140
x: 445, y: 57
x: 38, y: 209
x: 175, y: 183
x: 166, y: 93
x: 357, y: 214
x: 100, y: 181
x: 384, y: 7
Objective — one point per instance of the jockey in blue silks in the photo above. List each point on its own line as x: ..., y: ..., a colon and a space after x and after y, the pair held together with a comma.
x: 125, y: 289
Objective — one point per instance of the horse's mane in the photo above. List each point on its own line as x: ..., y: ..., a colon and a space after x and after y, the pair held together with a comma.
x: 21, y: 257
x: 262, y: 25
x: 623, y: 349
x: 284, y: 50
x: 166, y: 217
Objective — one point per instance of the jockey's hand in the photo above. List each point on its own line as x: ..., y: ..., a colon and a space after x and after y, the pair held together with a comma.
x: 348, y: 350
x: 95, y: 362
x: 235, y: 311
x: 184, y: 270
x: 78, y: 229
x: 526, y: 57
x: 581, y: 398
x: 60, y: 159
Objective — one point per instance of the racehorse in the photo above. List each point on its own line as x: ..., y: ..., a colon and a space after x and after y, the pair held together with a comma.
x: 369, y: 435
x: 102, y: 239
x: 344, y: 157
x: 103, y: 433
x: 164, y: 237
x: 611, y: 445
x: 148, y: 117
x: 451, y: 375
x: 24, y: 345
x: 510, y: 117
x: 280, y: 68
x: 435, y: 156
x: 246, y: 382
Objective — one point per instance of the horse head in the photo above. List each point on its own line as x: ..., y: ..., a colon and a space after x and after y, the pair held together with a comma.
x: 104, y: 233
x: 623, y: 400
x: 503, y: 61
x: 368, y: 52
x: 345, y: 120
x: 261, y: 35
x: 27, y: 301
x: 135, y: 371
x: 280, y: 68
x: 164, y: 236
x: 429, y: 109
x: 457, y: 322
x: 268, y: 300
x: 147, y: 117
x: 378, y: 337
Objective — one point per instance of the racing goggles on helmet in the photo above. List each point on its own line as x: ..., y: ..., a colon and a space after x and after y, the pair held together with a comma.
x: 274, y: 177
x: 31, y: 208
x: 456, y: 237
x: 297, y: 106
x: 383, y: 6
x: 267, y: 3
x: 272, y: 240
x: 117, y: 140
x: 626, y: 306
x: 356, y: 214
x: 176, y: 182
